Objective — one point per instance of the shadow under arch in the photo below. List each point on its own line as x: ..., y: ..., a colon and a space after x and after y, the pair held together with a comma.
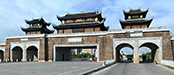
x: 17, y: 53
x: 32, y: 53
x: 1, y: 55
x: 154, y: 50
x: 118, y: 48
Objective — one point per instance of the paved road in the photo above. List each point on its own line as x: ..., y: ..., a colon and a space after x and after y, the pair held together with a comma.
x: 135, y: 69
x: 47, y: 68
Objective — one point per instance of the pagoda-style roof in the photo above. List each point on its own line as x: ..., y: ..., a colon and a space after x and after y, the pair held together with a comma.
x: 81, y: 15
x: 36, y: 21
x: 41, y: 29
x: 136, y: 22
x: 37, y: 25
x: 133, y: 12
x: 82, y: 25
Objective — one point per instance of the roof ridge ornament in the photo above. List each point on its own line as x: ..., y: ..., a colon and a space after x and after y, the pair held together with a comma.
x: 140, y: 7
x: 96, y: 9
x: 130, y: 8
x: 67, y: 12
x: 81, y: 10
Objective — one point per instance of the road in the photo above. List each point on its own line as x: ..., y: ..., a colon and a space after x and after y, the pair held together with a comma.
x: 135, y: 69
x: 47, y: 68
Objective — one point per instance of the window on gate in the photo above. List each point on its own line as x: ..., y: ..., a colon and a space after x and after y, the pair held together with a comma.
x: 78, y: 30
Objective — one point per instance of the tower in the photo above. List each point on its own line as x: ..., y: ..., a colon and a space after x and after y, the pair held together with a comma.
x: 81, y: 22
x: 37, y: 26
x: 135, y: 18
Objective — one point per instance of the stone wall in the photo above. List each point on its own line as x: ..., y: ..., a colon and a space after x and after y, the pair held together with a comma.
x: 105, y: 44
x: 42, y: 46
x: 166, y: 41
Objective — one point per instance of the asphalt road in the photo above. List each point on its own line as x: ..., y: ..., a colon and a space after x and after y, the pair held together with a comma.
x: 135, y: 69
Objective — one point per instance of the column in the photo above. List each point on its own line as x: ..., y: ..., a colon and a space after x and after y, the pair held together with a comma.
x: 136, y: 53
x: 156, y: 56
x: 24, y: 53
x: 115, y: 58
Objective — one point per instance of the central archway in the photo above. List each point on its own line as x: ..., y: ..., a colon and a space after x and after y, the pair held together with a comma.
x: 17, y: 53
x: 118, y: 48
x: 32, y: 53
x: 154, y: 51
x: 1, y: 55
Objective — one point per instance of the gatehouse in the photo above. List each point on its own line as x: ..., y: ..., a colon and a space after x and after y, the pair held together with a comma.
x: 85, y: 31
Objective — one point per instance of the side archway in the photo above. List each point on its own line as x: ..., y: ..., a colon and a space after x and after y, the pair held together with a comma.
x: 1, y: 55
x: 17, y: 53
x: 32, y: 53
x: 154, y: 51
x: 118, y: 48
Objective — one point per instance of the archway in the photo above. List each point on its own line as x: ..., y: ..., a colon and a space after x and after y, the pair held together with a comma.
x: 1, y: 55
x: 120, y: 47
x: 17, y: 53
x: 154, y: 51
x: 144, y: 54
x: 32, y: 53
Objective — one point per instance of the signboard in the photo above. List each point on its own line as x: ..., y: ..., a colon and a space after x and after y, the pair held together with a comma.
x: 136, y: 34
x: 74, y: 39
x: 24, y: 39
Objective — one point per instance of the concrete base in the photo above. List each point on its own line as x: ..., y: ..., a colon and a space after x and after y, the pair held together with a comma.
x: 50, y: 61
x: 41, y: 60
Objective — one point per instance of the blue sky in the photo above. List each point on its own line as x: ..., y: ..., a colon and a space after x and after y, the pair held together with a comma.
x: 14, y: 12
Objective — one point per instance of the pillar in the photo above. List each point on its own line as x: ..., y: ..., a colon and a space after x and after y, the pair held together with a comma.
x: 156, y: 57
x: 136, y: 53
x: 115, y: 58
x: 24, y: 55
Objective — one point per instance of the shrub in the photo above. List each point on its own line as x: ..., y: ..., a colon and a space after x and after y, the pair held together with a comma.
x: 73, y: 55
x: 79, y: 55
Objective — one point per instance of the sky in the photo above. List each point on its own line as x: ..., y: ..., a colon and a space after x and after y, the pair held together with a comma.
x: 14, y: 12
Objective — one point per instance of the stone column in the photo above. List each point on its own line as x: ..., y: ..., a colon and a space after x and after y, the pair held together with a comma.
x: 115, y: 58
x: 136, y: 53
x: 24, y: 53
x: 156, y: 57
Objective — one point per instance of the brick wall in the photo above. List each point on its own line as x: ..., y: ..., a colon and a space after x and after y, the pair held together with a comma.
x: 105, y: 44
x: 172, y: 43
x: 97, y: 29
x: 68, y: 31
x: 89, y: 29
x: 41, y: 52
x: 60, y: 31
x: 127, y: 27
x: 167, y: 53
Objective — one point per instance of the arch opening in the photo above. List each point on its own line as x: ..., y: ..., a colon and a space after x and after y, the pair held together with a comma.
x: 150, y: 54
x: 32, y: 53
x: 1, y: 55
x: 124, y: 53
x: 17, y: 53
